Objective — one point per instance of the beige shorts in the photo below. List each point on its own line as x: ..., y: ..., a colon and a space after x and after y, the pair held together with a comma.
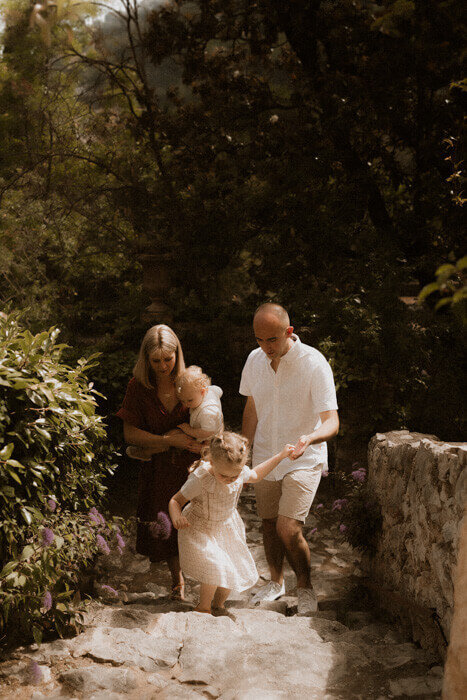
x: 291, y: 497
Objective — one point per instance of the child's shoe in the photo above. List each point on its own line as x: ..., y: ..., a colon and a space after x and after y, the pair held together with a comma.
x: 138, y: 453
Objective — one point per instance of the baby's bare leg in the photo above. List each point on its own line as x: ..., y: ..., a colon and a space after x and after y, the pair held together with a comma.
x: 220, y: 596
x: 206, y: 594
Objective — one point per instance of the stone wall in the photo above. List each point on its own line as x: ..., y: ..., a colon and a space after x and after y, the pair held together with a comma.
x: 421, y: 484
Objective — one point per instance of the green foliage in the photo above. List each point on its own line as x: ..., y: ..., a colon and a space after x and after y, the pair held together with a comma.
x: 451, y: 287
x: 357, y: 508
x: 53, y: 451
x: 41, y: 588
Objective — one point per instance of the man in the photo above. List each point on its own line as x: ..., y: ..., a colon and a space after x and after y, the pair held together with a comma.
x: 291, y: 398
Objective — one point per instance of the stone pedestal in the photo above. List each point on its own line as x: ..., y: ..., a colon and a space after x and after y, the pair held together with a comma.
x: 156, y: 284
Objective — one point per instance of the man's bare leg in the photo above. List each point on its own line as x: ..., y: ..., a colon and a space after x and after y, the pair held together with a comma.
x: 274, y: 550
x: 297, y: 551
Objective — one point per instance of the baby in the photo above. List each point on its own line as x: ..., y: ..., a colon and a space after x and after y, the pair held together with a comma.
x: 196, y: 393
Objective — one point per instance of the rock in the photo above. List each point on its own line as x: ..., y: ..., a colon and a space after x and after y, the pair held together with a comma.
x: 157, y: 680
x: 141, y: 598
x: 127, y: 647
x: 173, y: 691
x: 138, y: 565
x: 93, y: 678
x: 60, y: 648
x: 157, y: 590
x: 411, y: 687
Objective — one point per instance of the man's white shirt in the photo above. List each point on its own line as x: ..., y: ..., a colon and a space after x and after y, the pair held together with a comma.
x: 288, y: 403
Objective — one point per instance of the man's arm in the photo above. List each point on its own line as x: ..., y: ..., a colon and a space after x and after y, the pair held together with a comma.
x: 328, y: 429
x: 250, y: 420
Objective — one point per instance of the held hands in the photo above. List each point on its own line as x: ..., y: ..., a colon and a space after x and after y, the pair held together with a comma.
x: 287, y: 451
x: 176, y: 438
x: 300, y: 447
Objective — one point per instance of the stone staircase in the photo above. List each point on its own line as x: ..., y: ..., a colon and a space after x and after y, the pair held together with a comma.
x: 142, y: 645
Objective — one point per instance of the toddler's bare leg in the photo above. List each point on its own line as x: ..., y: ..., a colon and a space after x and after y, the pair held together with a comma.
x: 206, y: 594
x: 220, y: 596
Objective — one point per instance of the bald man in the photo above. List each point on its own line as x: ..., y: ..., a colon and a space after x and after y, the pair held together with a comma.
x: 291, y: 398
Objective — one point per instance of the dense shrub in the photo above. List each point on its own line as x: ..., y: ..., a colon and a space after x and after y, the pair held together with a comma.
x: 54, y: 457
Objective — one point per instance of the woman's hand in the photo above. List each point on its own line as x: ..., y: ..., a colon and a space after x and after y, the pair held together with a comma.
x: 175, y: 438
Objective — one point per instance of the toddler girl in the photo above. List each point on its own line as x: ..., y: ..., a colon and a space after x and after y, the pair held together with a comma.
x: 196, y: 393
x: 211, y: 538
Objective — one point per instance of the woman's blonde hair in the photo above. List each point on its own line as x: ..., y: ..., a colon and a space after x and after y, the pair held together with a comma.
x: 192, y: 376
x: 163, y: 339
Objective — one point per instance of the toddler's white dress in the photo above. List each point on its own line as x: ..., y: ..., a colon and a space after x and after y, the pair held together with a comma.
x: 213, y: 549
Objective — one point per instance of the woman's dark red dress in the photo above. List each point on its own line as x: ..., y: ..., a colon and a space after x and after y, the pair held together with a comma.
x: 161, y: 478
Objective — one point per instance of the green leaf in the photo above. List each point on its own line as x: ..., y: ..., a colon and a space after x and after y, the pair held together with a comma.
x: 14, y: 476
x: 8, y: 568
x: 445, y: 270
x: 462, y: 263
x: 428, y: 289
x: 443, y: 302
x: 37, y: 634
x: 26, y: 515
x: 58, y: 541
x: 16, y: 464
x: 27, y: 552
x: 5, y: 452
x: 44, y: 433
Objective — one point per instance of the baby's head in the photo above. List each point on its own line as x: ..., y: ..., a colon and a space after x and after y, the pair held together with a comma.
x: 227, y: 453
x: 191, y: 386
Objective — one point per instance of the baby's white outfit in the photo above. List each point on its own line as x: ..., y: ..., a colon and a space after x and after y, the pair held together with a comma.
x: 213, y: 549
x: 208, y: 415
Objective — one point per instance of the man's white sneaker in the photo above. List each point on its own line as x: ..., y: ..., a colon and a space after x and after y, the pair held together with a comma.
x: 271, y: 591
x: 307, y: 601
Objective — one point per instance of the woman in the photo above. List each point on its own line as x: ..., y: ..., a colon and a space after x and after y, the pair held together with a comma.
x: 151, y: 413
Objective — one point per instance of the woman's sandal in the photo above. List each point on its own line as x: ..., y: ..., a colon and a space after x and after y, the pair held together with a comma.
x: 178, y: 592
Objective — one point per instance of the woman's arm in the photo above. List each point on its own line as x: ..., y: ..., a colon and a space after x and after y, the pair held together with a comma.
x: 197, y: 433
x: 264, y: 468
x: 158, y: 443
x: 176, y: 504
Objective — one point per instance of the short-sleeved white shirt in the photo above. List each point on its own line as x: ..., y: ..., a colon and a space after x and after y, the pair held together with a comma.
x: 288, y: 403
x: 208, y: 415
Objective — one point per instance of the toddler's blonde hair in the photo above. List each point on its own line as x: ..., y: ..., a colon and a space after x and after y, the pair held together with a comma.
x: 226, y: 446
x: 192, y: 376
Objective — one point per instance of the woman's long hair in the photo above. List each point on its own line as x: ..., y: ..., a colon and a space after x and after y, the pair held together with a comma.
x: 163, y: 339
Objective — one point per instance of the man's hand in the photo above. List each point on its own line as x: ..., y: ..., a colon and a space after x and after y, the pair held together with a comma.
x: 300, y: 447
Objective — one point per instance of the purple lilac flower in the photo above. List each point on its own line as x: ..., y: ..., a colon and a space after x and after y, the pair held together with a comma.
x: 47, y: 601
x: 320, y: 505
x: 120, y: 550
x: 109, y: 589
x: 339, y: 503
x: 325, y: 474
x: 94, y: 513
x: 312, y: 532
x: 102, y: 544
x: 47, y: 536
x: 34, y: 673
x: 94, y: 519
x: 359, y: 474
x: 342, y: 527
x: 161, y: 528
x: 120, y: 541
x: 51, y: 504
